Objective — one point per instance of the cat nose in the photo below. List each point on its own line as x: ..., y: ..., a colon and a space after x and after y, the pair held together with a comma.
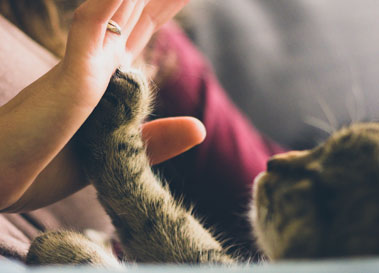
x: 281, y: 162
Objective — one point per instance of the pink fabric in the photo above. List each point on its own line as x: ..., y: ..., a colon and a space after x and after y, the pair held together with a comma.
x: 217, y: 175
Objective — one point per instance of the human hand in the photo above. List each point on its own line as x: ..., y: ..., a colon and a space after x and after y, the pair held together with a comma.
x: 44, y: 116
x: 93, y: 53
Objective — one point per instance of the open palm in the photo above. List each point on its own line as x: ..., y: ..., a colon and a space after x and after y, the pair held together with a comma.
x: 93, y: 53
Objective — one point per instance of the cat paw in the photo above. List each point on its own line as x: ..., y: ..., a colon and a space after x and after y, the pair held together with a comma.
x: 125, y: 103
x: 126, y: 100
x: 116, y: 118
x: 66, y: 247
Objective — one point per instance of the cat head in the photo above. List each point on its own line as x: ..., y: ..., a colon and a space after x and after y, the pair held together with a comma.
x: 322, y: 202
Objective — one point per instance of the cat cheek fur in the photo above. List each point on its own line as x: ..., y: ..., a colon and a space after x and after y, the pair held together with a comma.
x: 263, y: 229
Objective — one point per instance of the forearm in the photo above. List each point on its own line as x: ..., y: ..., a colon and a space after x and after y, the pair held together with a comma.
x: 36, y: 125
x: 62, y: 177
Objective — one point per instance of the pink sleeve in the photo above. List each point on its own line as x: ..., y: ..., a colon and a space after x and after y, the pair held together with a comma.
x: 217, y: 175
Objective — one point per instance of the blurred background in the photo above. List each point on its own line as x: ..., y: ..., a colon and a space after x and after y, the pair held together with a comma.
x: 299, y: 69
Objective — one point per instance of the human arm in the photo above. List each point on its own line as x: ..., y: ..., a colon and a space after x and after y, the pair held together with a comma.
x: 33, y: 165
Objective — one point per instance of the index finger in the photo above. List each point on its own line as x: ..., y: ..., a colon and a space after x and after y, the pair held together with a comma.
x: 168, y: 137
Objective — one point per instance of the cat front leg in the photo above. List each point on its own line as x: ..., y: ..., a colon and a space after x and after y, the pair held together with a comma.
x: 152, y: 225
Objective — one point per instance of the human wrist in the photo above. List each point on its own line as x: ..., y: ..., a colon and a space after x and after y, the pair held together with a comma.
x: 50, y: 105
x: 75, y: 87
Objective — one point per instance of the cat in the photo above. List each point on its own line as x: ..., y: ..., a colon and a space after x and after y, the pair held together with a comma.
x: 310, y: 204
x: 322, y: 202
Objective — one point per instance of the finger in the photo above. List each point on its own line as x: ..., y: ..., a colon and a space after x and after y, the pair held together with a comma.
x: 89, y: 25
x: 153, y: 17
x: 124, y: 17
x: 140, y: 36
x: 124, y: 12
x: 160, y: 14
x: 169, y: 137
x: 127, y: 17
x: 138, y: 9
x: 99, y: 10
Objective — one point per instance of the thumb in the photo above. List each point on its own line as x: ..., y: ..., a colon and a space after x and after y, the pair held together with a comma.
x: 169, y: 137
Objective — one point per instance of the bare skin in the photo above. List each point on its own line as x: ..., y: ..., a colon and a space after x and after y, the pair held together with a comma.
x: 38, y: 165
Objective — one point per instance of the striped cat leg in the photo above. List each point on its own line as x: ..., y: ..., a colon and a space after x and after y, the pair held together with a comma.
x: 152, y: 226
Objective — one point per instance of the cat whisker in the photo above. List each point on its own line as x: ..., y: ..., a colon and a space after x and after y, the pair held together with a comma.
x: 320, y: 124
x: 329, y: 115
x: 355, y: 104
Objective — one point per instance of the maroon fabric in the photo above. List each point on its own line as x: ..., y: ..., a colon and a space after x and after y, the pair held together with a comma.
x: 217, y: 175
